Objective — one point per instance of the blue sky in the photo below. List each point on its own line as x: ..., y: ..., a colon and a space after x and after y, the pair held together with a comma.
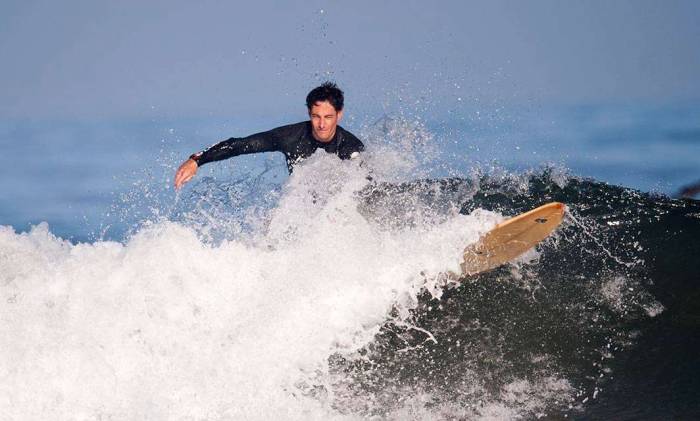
x: 99, y: 59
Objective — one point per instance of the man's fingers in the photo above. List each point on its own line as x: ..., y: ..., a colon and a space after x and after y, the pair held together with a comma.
x: 178, y: 179
x: 185, y: 173
x: 181, y: 179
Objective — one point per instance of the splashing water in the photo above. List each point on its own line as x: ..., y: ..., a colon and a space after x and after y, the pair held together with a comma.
x: 166, y: 326
x: 331, y: 304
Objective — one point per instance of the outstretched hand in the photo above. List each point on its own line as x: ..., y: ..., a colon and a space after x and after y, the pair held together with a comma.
x: 185, y: 173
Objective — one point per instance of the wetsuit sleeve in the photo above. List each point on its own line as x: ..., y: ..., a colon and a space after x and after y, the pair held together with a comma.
x: 350, y: 145
x: 268, y: 141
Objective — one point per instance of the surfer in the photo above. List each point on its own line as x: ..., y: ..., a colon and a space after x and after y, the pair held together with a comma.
x: 690, y: 191
x: 296, y: 141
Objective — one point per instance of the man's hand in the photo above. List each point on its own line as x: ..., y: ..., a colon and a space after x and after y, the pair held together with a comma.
x: 185, y: 173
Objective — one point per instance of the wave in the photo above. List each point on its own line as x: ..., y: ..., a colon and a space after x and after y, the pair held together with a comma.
x: 332, y: 303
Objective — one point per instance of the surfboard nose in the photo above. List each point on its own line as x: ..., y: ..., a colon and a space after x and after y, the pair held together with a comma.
x: 511, y: 238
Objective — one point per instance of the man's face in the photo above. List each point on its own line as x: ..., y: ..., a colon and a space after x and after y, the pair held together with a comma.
x: 324, y: 120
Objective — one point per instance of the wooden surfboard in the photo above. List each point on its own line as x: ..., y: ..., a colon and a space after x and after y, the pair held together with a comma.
x: 511, y: 238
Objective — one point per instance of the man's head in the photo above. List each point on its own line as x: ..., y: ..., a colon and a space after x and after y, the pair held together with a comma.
x: 325, y: 104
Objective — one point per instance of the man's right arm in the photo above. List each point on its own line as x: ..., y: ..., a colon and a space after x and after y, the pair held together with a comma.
x: 260, y: 142
x: 268, y: 141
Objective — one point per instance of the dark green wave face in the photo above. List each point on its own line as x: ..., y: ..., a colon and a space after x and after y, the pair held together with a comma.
x: 603, y: 325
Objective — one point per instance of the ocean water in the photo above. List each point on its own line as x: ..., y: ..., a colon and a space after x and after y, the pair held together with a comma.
x: 256, y: 295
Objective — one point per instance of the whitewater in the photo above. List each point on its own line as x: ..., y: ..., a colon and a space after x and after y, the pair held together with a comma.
x: 167, y: 326
x: 326, y: 297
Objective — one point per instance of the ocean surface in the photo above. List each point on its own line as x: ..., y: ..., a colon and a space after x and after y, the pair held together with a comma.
x: 252, y: 294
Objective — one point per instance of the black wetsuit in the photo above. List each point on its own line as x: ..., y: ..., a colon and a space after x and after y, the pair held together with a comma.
x: 295, y: 141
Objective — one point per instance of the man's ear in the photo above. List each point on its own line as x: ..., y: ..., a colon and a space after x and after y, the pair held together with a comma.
x: 340, y: 115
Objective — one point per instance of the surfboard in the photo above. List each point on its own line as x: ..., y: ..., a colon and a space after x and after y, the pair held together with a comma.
x: 511, y: 238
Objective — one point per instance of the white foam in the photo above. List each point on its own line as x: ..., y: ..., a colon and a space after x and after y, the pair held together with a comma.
x: 165, y: 326
x: 623, y: 295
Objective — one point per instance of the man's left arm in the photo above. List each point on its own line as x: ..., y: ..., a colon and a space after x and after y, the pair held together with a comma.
x: 351, y: 146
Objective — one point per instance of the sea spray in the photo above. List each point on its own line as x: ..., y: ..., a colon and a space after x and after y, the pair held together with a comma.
x: 166, y: 326
x: 328, y: 301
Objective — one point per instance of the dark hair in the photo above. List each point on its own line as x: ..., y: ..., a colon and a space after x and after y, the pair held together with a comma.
x: 330, y: 92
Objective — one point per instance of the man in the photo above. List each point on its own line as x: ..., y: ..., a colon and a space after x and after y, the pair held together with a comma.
x: 689, y: 191
x: 296, y: 141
